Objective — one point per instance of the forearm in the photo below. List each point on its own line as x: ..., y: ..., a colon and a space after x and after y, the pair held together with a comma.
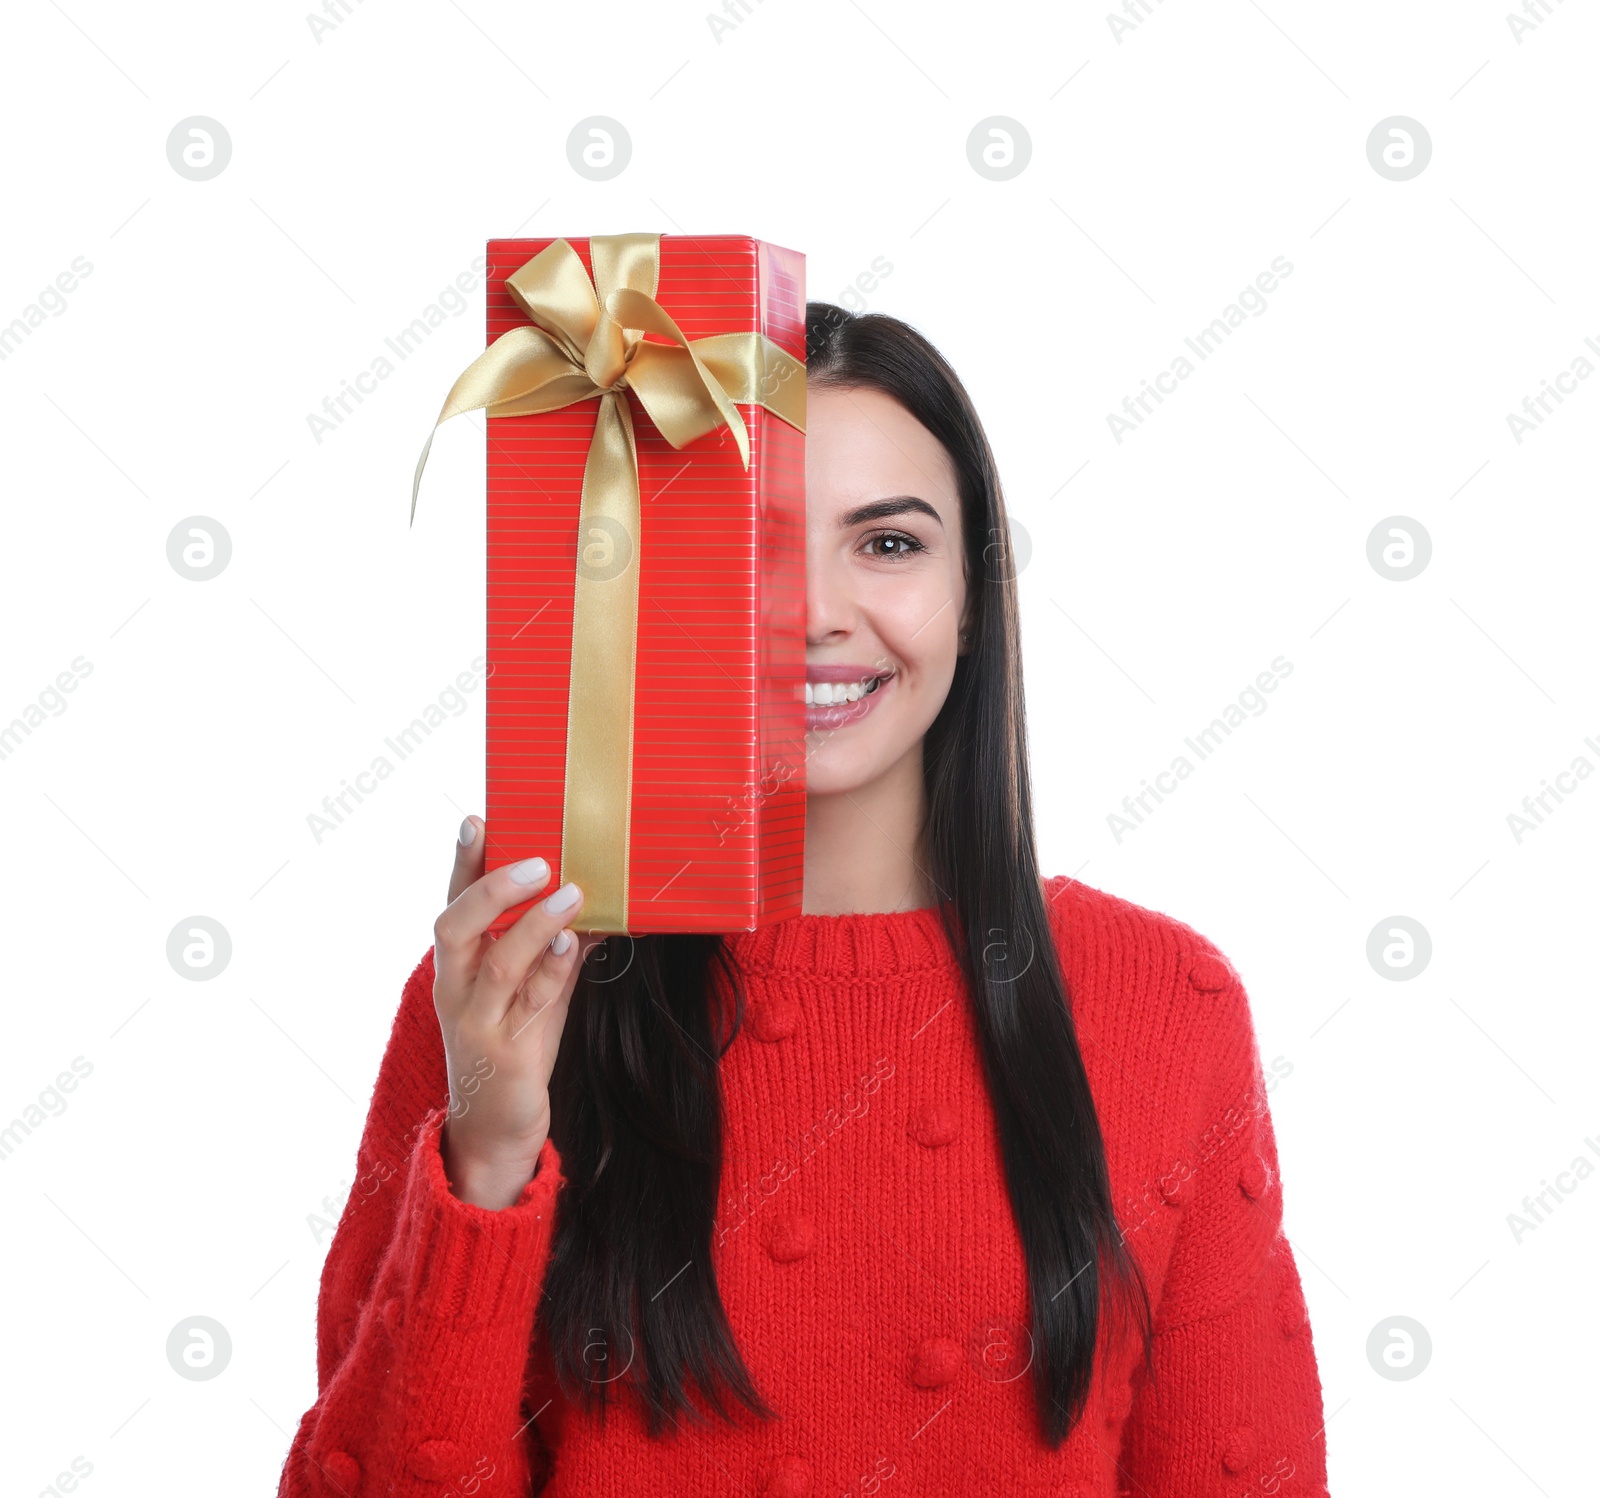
x: 429, y: 1386
x: 1236, y: 1398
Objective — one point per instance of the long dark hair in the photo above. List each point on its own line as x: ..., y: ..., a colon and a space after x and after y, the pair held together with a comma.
x: 636, y: 1111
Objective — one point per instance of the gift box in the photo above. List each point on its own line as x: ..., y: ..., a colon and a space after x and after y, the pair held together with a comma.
x: 646, y: 574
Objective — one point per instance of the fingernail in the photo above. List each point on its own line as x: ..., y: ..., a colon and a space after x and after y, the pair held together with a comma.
x: 530, y: 871
x: 563, y: 899
x: 560, y: 942
x: 469, y: 831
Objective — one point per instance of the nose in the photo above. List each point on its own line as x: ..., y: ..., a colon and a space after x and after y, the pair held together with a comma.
x: 831, y: 608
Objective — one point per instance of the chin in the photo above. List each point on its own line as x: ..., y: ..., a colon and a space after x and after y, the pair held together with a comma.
x: 836, y: 768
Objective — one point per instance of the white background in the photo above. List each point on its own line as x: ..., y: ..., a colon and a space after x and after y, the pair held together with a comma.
x: 1167, y: 169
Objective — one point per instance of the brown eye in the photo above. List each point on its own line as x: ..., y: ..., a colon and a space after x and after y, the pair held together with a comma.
x: 904, y: 545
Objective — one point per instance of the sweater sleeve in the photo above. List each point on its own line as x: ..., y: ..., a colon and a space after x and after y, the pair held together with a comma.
x: 1235, y: 1400
x: 426, y: 1305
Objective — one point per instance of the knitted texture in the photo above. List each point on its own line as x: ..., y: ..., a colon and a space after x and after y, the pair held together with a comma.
x: 865, y: 1250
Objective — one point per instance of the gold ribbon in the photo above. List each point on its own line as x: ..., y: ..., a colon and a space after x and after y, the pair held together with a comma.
x: 586, y: 338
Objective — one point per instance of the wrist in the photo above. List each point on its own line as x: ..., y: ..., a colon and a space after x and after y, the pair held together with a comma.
x: 495, y: 1183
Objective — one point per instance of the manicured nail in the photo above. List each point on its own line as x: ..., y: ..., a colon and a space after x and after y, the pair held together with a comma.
x: 563, y: 899
x: 469, y: 832
x: 530, y: 871
x: 560, y: 942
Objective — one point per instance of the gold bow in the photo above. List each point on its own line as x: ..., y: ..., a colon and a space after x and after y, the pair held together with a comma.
x: 585, y: 339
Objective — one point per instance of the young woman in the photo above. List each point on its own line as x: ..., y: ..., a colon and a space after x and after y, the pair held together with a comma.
x: 961, y: 1181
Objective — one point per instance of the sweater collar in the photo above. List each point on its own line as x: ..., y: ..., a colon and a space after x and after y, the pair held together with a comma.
x: 877, y: 944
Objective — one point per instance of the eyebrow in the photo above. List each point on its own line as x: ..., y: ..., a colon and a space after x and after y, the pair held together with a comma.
x: 882, y: 509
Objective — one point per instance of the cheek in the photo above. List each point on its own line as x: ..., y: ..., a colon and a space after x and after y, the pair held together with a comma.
x: 918, y: 620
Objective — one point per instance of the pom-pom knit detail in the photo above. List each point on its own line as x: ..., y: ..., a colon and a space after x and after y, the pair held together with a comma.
x: 864, y: 1247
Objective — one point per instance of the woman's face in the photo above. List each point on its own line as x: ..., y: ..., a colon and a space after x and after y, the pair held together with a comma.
x: 885, y: 584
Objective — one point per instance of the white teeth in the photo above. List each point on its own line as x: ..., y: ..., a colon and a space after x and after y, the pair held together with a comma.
x: 833, y: 694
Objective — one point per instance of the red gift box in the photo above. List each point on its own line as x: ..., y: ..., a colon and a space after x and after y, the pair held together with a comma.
x: 716, y: 798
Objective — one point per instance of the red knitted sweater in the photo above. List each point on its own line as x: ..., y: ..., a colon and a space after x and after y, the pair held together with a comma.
x: 866, y: 1252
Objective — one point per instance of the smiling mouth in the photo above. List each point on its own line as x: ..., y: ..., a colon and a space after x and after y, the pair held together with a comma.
x: 840, y: 693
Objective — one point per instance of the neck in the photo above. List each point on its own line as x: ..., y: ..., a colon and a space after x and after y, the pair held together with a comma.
x: 864, y: 846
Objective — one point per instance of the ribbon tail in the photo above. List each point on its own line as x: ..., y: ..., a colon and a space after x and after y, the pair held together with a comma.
x: 416, y: 480
x: 512, y: 372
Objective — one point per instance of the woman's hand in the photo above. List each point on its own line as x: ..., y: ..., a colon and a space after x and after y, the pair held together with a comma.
x: 502, y: 1004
